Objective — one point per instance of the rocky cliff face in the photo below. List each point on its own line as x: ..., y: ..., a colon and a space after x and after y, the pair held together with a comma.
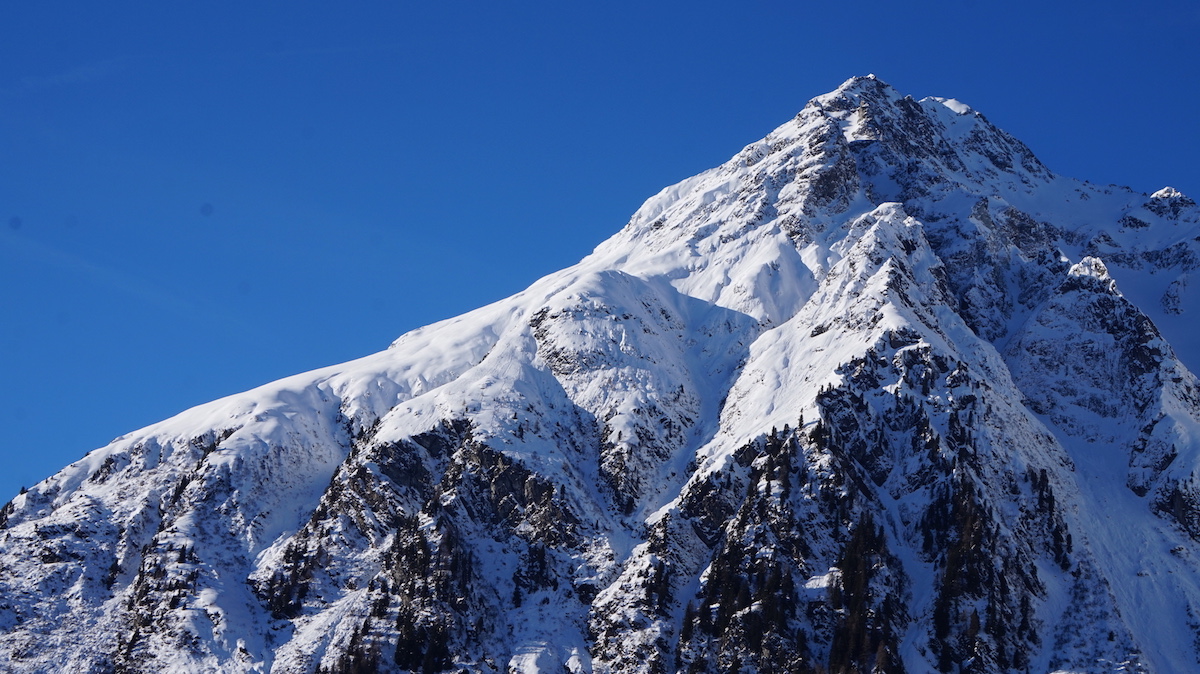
x: 881, y: 393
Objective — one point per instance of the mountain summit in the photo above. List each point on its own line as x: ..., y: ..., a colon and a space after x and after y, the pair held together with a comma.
x: 882, y: 393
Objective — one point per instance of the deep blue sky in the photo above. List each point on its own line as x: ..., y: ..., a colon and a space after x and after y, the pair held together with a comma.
x: 199, y: 198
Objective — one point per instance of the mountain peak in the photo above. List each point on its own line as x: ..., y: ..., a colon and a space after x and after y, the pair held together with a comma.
x: 1092, y: 267
x: 857, y: 91
x: 1168, y: 192
x: 864, y: 397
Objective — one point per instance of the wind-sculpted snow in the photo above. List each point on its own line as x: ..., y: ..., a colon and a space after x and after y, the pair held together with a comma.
x: 881, y: 393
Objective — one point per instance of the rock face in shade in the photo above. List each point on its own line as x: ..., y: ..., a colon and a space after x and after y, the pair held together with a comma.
x: 882, y: 393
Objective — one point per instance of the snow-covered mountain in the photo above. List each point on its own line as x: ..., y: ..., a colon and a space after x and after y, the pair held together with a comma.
x: 881, y: 393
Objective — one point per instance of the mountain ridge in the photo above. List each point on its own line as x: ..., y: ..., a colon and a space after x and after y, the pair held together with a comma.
x: 818, y: 407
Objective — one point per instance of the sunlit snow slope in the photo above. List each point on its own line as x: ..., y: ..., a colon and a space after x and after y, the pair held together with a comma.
x: 881, y: 393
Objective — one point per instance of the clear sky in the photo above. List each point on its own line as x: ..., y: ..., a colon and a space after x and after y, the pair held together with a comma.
x: 198, y: 198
